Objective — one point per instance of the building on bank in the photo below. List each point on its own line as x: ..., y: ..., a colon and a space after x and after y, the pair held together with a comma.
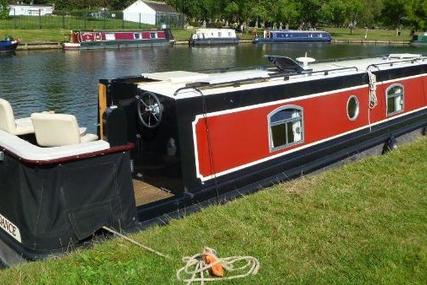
x: 153, y: 13
x: 30, y: 10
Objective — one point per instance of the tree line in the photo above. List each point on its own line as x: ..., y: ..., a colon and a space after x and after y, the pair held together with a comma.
x: 292, y: 13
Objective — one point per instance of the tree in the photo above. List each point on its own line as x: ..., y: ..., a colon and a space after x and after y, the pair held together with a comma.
x: 334, y: 12
x: 393, y: 12
x: 416, y: 14
x: 371, y: 16
x: 286, y: 12
x: 309, y: 12
x: 4, y: 9
x: 231, y: 11
x: 354, y: 12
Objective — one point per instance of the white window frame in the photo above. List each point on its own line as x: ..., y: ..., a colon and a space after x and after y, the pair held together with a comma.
x: 270, y: 125
x: 386, y: 99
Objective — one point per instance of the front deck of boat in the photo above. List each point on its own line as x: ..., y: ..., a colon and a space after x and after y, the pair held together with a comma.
x: 146, y: 193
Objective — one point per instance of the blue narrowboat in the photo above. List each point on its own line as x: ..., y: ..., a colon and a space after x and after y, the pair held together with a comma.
x: 286, y: 36
x: 8, y: 44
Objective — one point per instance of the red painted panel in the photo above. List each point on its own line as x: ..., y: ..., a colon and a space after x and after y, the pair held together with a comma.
x: 161, y: 35
x: 242, y: 137
x: 87, y: 37
x: 124, y: 36
x: 424, y: 89
x: 146, y: 35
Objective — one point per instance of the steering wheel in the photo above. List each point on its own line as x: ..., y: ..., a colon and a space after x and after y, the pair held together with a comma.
x: 149, y: 109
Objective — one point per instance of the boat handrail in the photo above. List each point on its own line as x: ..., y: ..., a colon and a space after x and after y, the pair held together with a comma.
x: 391, y: 63
x: 236, y: 83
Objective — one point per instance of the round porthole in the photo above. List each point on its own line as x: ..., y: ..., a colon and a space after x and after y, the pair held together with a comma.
x: 352, y: 108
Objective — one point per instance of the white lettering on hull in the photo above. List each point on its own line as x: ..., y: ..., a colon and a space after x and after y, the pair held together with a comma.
x: 10, y: 228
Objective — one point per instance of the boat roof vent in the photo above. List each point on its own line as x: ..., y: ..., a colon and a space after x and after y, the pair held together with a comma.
x: 285, y: 64
x: 404, y: 56
x: 305, y: 60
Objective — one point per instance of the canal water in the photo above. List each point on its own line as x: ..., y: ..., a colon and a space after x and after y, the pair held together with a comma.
x: 67, y: 81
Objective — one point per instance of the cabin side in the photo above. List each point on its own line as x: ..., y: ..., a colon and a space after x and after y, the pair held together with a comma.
x: 233, y: 132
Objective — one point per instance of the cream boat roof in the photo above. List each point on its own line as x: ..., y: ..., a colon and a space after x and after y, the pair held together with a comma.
x: 169, y: 82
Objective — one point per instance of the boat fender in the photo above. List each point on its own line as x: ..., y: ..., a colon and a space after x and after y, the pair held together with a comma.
x: 171, y: 147
x: 390, y: 145
x: 210, y: 259
x: 424, y: 131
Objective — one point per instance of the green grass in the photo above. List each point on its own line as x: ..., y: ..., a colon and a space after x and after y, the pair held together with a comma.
x: 28, y: 36
x: 373, y: 34
x: 66, y: 22
x: 365, y: 223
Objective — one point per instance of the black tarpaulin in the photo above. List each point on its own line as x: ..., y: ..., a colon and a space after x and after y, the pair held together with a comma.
x: 57, y: 206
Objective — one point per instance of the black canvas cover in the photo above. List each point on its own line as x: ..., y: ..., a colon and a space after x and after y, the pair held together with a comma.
x: 55, y: 207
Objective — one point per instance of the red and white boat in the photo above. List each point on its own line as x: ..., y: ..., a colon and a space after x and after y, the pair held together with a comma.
x: 201, y: 135
x: 169, y: 142
x: 122, y: 39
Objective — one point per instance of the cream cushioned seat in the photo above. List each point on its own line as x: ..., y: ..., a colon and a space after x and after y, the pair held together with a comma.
x: 9, y: 124
x: 59, y: 130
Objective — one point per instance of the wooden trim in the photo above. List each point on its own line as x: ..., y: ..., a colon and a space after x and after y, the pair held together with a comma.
x: 102, y: 106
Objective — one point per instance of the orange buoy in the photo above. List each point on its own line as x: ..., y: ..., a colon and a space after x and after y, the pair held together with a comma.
x: 209, y: 258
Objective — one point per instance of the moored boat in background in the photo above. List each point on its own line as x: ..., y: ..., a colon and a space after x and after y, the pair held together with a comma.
x: 288, y: 36
x: 118, y: 39
x: 207, y: 37
x: 419, y: 40
x: 8, y: 44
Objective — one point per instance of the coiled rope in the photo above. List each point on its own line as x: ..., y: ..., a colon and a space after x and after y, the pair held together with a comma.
x: 196, y: 270
x: 373, y: 100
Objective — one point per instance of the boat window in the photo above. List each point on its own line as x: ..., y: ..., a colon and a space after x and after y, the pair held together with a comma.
x: 136, y: 36
x: 285, y: 127
x: 352, y: 108
x: 395, y: 99
x: 153, y: 35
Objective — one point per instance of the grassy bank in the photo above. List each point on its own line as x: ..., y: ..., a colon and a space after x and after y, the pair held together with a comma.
x: 372, y: 34
x: 365, y: 223
x: 60, y: 35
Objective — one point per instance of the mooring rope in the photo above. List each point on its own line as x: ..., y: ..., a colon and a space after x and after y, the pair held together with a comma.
x: 373, y: 100
x: 135, y: 242
x: 208, y: 138
x: 196, y: 270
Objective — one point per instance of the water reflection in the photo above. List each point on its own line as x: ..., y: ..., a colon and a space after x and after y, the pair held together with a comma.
x: 67, y: 81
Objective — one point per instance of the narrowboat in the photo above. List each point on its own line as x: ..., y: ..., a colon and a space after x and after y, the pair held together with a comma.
x: 419, y: 40
x: 207, y: 37
x: 289, y: 36
x: 122, y: 39
x: 171, y: 142
x: 8, y: 45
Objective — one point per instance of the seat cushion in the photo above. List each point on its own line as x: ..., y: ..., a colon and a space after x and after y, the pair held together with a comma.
x: 7, y: 120
x: 55, y: 129
x: 24, y: 126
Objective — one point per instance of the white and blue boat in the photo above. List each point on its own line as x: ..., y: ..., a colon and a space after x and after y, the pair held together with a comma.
x: 287, y: 36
